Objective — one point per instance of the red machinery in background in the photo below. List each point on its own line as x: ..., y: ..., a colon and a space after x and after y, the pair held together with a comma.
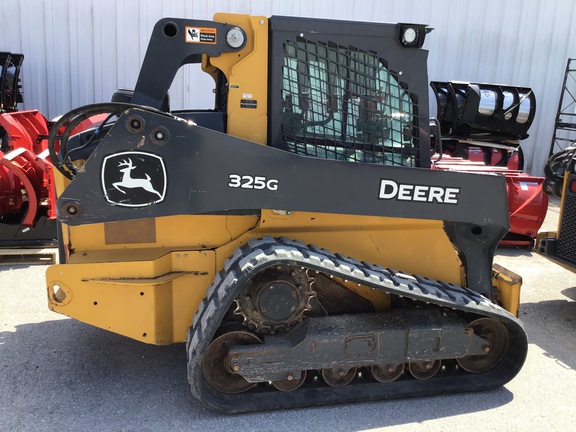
x: 26, y: 193
x: 27, y: 214
x: 27, y: 196
x: 480, y: 129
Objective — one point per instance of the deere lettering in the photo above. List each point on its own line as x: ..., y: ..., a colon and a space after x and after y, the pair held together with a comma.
x: 389, y: 189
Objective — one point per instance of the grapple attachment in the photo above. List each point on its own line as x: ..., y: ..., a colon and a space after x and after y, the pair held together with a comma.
x: 484, y: 111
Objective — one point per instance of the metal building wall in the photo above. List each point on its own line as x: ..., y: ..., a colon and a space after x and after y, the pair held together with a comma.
x: 79, y: 52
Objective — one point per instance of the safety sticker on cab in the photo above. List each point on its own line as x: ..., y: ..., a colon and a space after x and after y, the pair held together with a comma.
x: 202, y: 35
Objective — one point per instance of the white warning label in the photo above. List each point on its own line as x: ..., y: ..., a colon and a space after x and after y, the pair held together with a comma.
x: 204, y: 35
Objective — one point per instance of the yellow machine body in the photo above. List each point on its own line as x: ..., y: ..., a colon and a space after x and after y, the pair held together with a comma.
x: 150, y: 291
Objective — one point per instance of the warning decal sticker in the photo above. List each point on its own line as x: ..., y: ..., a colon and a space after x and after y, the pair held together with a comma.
x: 200, y: 35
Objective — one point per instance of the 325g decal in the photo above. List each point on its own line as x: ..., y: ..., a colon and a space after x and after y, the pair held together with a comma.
x: 252, y: 182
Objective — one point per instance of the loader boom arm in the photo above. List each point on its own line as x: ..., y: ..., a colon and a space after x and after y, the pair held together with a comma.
x: 169, y: 50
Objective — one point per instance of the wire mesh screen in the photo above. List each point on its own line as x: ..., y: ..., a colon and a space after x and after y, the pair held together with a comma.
x: 343, y: 103
x: 567, y: 234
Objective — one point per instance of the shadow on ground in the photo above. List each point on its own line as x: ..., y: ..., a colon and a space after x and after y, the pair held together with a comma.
x: 550, y: 322
x: 65, y: 375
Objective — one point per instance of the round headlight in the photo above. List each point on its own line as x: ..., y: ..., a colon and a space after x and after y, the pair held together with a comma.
x: 409, y: 36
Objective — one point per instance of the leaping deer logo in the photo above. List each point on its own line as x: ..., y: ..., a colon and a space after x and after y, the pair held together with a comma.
x: 128, y: 182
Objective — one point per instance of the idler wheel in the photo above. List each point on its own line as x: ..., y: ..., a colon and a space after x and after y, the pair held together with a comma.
x: 290, y: 383
x: 496, y: 336
x: 217, y: 371
x: 338, y: 377
x: 388, y: 373
x: 424, y: 369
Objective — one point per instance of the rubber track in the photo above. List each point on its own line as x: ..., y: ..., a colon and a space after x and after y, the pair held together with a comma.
x: 259, y: 254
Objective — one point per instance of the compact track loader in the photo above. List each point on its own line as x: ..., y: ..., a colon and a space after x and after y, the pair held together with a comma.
x: 294, y: 236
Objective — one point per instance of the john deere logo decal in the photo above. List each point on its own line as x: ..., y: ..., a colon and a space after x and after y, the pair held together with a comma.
x: 134, y: 179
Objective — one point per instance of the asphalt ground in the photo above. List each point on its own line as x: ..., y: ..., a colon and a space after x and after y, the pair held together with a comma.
x: 57, y: 374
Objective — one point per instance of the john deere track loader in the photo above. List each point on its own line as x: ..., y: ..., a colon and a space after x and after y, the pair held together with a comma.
x: 294, y: 236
